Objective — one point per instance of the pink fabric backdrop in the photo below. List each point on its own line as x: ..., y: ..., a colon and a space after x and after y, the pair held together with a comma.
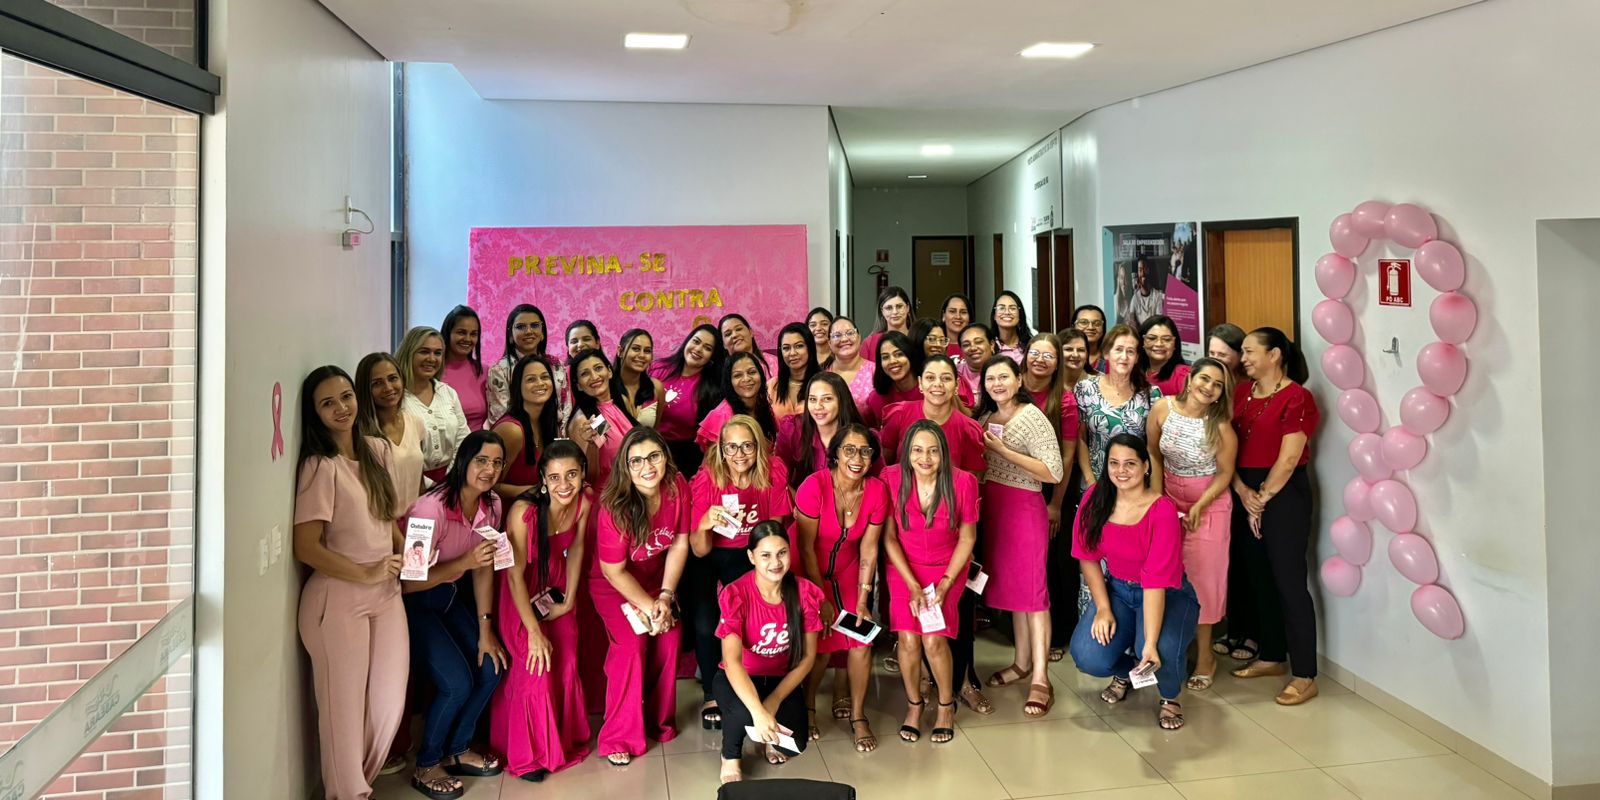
x: 664, y: 279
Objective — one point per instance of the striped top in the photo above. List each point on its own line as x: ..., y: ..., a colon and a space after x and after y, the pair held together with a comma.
x: 1183, y: 445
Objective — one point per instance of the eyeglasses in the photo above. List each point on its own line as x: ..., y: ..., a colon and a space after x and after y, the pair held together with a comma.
x: 636, y: 463
x: 1041, y: 355
x: 853, y: 452
x: 529, y: 326
x: 937, y: 339
x: 1007, y: 307
x: 737, y: 448
x: 1158, y: 339
x: 484, y: 462
x: 839, y: 337
x: 1095, y: 324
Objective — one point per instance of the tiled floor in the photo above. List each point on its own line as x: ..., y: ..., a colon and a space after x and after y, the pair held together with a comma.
x: 1237, y: 744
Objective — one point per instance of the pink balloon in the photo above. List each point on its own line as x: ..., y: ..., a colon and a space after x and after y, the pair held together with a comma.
x: 1358, y: 500
x: 1359, y: 410
x: 1395, y: 505
x: 1438, y: 611
x: 1403, y: 449
x: 1452, y: 314
x: 1343, y: 365
x: 1335, y: 275
x: 1334, y: 321
x: 1422, y: 412
x: 1366, y: 453
x: 1442, y: 367
x: 1340, y: 576
x: 1439, y: 263
x: 1413, y: 557
x: 1353, y: 539
x: 1368, y: 219
x: 1346, y: 242
x: 1410, y: 226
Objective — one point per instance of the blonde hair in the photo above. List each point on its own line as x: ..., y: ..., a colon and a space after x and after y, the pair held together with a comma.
x: 1219, y: 414
x: 760, y: 474
x: 407, y: 353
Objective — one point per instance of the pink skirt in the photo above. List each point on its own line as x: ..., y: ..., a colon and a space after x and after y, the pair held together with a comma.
x: 1205, y: 550
x: 539, y: 721
x: 900, y: 616
x: 1016, y: 541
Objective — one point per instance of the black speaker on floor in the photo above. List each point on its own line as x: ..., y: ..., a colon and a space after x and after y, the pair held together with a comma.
x: 786, y: 789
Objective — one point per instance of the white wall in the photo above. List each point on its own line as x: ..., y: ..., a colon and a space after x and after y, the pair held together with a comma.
x: 475, y: 162
x: 1474, y: 114
x: 303, y: 121
x: 1018, y: 199
x: 886, y: 219
x: 840, y: 187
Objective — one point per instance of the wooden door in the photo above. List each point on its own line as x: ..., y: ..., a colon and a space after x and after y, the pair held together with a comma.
x: 939, y: 269
x: 1043, y: 291
x: 1258, y: 278
x: 1064, y: 283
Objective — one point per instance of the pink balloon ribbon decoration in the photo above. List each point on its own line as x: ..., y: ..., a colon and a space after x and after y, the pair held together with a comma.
x: 1375, y: 452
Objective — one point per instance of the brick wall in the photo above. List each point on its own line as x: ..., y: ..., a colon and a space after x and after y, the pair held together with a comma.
x: 98, y: 287
x: 166, y: 25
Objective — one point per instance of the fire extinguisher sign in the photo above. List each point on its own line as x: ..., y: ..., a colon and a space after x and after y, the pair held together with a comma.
x: 1394, y: 282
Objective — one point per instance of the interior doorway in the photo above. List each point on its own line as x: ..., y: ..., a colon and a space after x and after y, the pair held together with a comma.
x: 939, y: 268
x: 999, y: 270
x: 1052, y: 280
x: 1250, y: 274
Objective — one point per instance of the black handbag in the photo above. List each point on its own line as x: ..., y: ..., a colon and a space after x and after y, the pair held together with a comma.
x: 786, y: 789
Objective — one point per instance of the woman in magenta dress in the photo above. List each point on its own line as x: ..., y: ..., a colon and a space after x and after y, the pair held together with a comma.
x: 1159, y: 338
x: 894, y: 376
x: 956, y: 314
x: 529, y: 425
x: 839, y: 515
x: 977, y: 347
x: 641, y: 549
x: 538, y: 718
x: 894, y: 316
x: 1016, y: 526
x: 1045, y: 376
x: 738, y: 338
x: 690, y: 387
x: 463, y: 364
x: 595, y: 392
x: 744, y: 391
x: 803, y: 438
x: 849, y: 360
x: 933, y: 525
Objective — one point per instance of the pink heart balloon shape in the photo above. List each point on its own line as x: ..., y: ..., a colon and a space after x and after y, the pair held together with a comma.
x: 1334, y: 321
x: 1422, y: 412
x: 1413, y: 557
x: 1335, y: 275
x: 1343, y: 365
x: 1358, y: 500
x: 1442, y: 367
x: 1410, y: 226
x: 1353, y: 540
x: 1440, y: 264
x: 1366, y: 454
x: 1403, y: 449
x: 1395, y: 505
x: 1438, y: 611
x: 1346, y: 242
x: 1340, y: 576
x: 1369, y: 219
x: 1359, y: 410
x: 1453, y: 317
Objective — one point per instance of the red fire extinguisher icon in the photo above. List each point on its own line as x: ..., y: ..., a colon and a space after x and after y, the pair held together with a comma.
x: 880, y: 272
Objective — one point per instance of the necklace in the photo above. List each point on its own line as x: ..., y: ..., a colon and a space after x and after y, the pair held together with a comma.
x: 1249, y: 425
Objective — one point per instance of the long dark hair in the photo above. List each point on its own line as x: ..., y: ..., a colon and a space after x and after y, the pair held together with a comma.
x: 945, y: 306
x: 1024, y: 333
x: 889, y: 293
x: 456, y: 315
x: 761, y: 410
x: 1102, y: 498
x: 1177, y: 345
x: 755, y: 347
x: 449, y: 489
x: 1294, y: 361
x: 548, y: 426
x: 707, y: 393
x: 922, y: 329
x: 986, y: 404
x: 582, y: 401
x: 626, y: 504
x: 647, y: 387
x: 511, y: 324
x: 848, y: 415
x: 845, y: 432
x: 943, y: 482
x: 599, y: 344
x: 315, y: 440
x: 794, y: 616
x: 1058, y: 378
x: 785, y: 377
x: 881, y: 382
x: 367, y: 422
x: 539, y: 497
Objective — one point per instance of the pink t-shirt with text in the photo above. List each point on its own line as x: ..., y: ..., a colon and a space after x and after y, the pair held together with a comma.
x: 647, y: 562
x: 763, y: 627
x: 759, y: 504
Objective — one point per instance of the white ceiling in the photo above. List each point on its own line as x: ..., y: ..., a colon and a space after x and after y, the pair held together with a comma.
x: 900, y: 73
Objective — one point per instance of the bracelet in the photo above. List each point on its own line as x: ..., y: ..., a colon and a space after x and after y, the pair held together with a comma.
x: 867, y: 586
x: 486, y: 617
x: 669, y: 593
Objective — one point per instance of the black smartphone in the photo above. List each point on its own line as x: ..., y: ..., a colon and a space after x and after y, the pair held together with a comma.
x: 865, y: 629
x: 546, y: 600
x: 974, y: 569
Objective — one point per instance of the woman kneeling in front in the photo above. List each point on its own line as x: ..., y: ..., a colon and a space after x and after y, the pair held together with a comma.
x: 1146, y: 602
x: 763, y: 667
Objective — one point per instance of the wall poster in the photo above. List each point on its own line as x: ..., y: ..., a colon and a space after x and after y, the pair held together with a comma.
x: 1155, y: 269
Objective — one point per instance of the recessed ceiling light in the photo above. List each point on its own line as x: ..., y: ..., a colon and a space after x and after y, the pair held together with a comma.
x: 656, y: 41
x: 917, y: 177
x: 936, y: 150
x: 1057, y: 50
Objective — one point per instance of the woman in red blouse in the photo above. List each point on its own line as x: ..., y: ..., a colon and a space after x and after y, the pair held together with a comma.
x: 1275, y: 417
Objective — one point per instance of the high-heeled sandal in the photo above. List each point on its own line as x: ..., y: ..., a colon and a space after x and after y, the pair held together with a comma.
x: 868, y: 742
x: 948, y: 733
x: 811, y: 721
x: 710, y: 716
x: 910, y: 734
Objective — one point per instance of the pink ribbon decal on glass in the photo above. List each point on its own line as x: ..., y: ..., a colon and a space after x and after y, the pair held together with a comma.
x: 277, y: 420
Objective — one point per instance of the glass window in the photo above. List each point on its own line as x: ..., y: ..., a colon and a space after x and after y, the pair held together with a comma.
x: 166, y: 25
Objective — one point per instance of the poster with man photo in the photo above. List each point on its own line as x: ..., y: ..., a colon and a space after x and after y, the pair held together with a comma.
x: 1155, y: 270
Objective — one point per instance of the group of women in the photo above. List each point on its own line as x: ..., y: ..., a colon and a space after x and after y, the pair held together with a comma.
x: 766, y: 514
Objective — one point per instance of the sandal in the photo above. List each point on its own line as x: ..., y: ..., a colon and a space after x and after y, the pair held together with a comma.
x: 811, y: 719
x: 1116, y: 691
x: 490, y: 767
x: 1000, y: 678
x: 868, y: 742
x: 1244, y: 650
x: 710, y: 716
x: 891, y: 662
x: 1224, y: 645
x: 1057, y: 653
x: 1034, y: 708
x: 442, y: 788
x: 619, y: 759
x: 911, y: 734
x: 1199, y: 681
x: 1170, y: 715
x: 841, y: 708
x: 944, y: 734
x: 980, y: 705
x: 393, y: 765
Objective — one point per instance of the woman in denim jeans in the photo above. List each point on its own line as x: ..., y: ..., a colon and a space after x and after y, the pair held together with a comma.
x: 461, y: 656
x: 1146, y: 602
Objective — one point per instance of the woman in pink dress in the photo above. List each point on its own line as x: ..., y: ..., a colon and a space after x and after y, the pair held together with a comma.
x: 933, y: 525
x: 1024, y: 453
x: 1194, y: 459
x: 956, y: 314
x: 839, y: 515
x: 463, y: 364
x: 849, y: 362
x: 1159, y: 338
x: 894, y: 316
x: 598, y: 422
x: 803, y: 439
x: 642, y: 547
x: 894, y: 376
x: 538, y: 717
x: 1045, y: 376
x: 738, y: 338
x: 528, y: 426
x: 744, y: 391
x: 691, y: 386
x: 977, y: 347
x: 797, y: 362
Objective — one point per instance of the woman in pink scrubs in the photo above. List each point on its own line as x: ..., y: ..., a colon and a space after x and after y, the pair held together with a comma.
x: 896, y: 370
x: 849, y: 361
x: 463, y: 364
x: 691, y: 387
